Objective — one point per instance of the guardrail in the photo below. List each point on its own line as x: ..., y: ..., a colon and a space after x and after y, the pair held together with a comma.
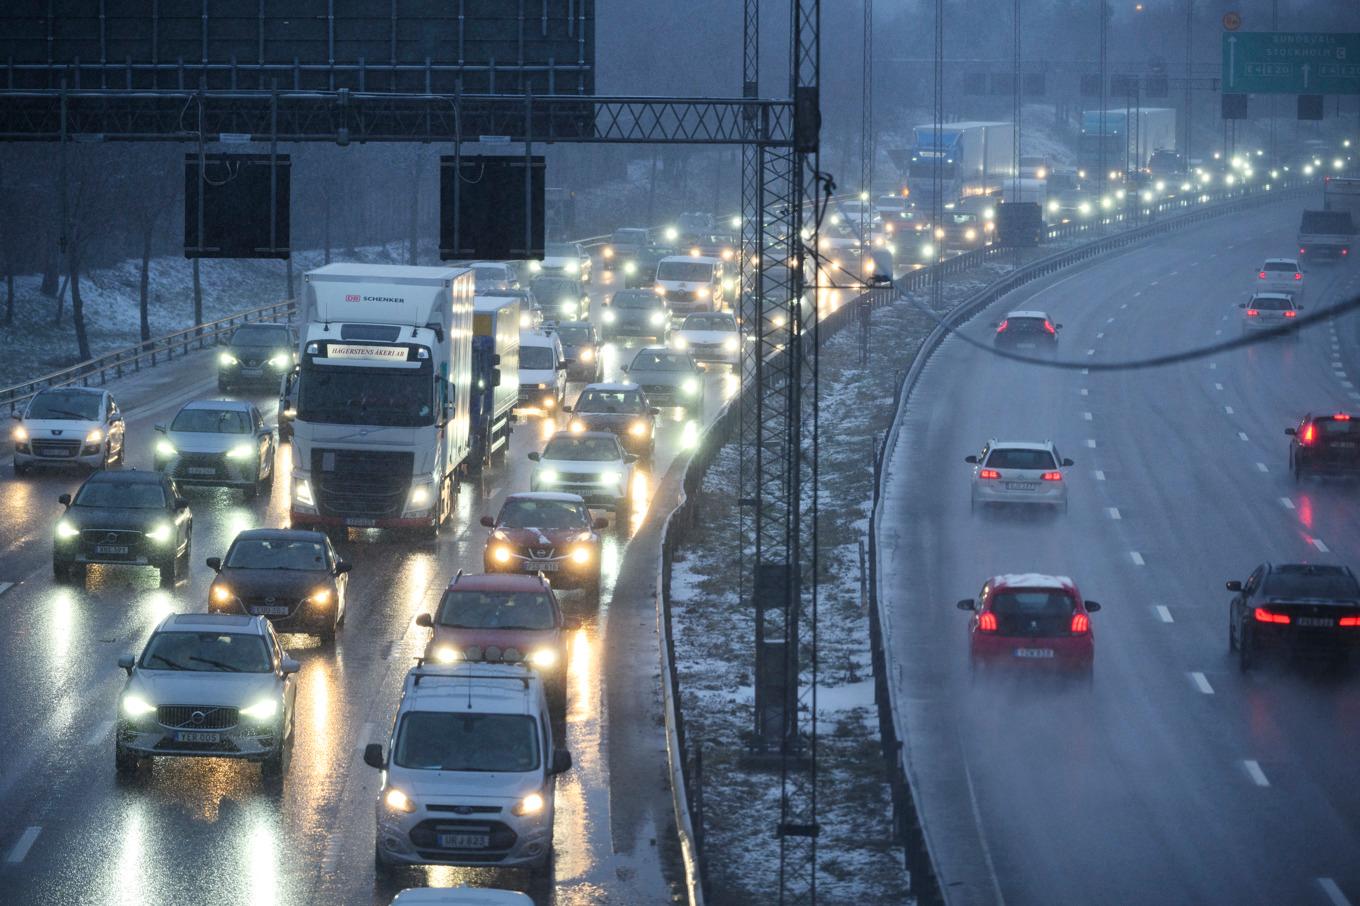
x: 920, y: 859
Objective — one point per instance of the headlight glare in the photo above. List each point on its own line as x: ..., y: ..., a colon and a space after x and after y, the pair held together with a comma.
x: 241, y: 451
x: 531, y: 804
x: 548, y: 476
x: 638, y: 429
x: 264, y: 709
x: 94, y: 437
x: 20, y: 434
x: 730, y: 344
x: 543, y: 658
x: 280, y: 360
x: 165, y: 448
x: 500, y: 553
x: 398, y: 801
x: 161, y: 534
x: 447, y: 654
x: 610, y: 476
x: 227, y: 358
x: 577, y: 427
x: 222, y: 593
x: 135, y: 706
x: 580, y: 555
x: 656, y: 319
x: 66, y: 530
x: 610, y: 317
x: 690, y: 386
x: 321, y: 596
x: 587, y: 354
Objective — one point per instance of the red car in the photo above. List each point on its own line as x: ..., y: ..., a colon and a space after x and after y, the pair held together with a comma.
x: 547, y: 532
x: 499, y: 618
x: 1031, y: 620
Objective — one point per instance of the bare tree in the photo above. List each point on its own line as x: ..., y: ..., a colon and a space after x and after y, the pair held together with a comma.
x: 148, y: 203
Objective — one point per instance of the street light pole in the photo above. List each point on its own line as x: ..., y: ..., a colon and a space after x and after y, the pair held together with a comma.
x: 1189, y: 48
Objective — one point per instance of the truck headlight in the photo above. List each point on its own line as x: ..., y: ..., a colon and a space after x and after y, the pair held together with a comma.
x: 500, y: 553
x: 262, y: 710
x: 241, y: 451
x: 66, y: 530
x: 607, y: 252
x: 638, y: 429
x: 535, y: 266
x: 548, y: 476
x: 567, y: 307
x: 690, y: 387
x: 227, y: 358
x: 135, y: 706
x: 543, y: 658
x: 610, y: 317
x: 701, y: 292
x: 161, y: 534
x: 581, y: 556
x: 731, y: 344
x: 657, y: 319
x: 525, y: 320
x: 420, y: 497
x: 95, y: 437
x: 166, y: 449
x: 587, y: 354
x: 302, y: 493
x: 531, y: 804
x: 397, y: 801
x: 970, y: 234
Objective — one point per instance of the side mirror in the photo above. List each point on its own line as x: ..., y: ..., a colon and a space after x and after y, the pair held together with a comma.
x: 289, y: 666
x: 117, y: 417
x: 64, y: 500
x: 160, y: 428
x: 17, y: 416
x: 1290, y: 431
x: 630, y: 457
x: 1233, y: 585
x: 970, y: 459
x: 495, y: 376
x: 488, y: 522
x: 425, y: 621
x: 1067, y: 462
x: 561, y: 761
x: 374, y: 757
x: 566, y: 408
x: 965, y: 604
x: 599, y: 523
x: 181, y: 504
x: 562, y: 365
x: 215, y: 564
x: 534, y: 457
x: 623, y: 368
x: 342, y: 567
x: 1092, y: 606
x: 126, y: 662
x: 653, y: 410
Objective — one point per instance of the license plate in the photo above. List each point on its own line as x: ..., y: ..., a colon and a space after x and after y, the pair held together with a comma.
x: 202, y: 470
x: 1320, y: 622
x: 361, y: 523
x: 60, y: 451
x: 1034, y: 652
x: 1342, y: 445
x: 547, y: 566
x: 1022, y: 485
x: 188, y: 736
x: 110, y: 549
x: 251, y: 372
x: 464, y: 841
x: 270, y: 611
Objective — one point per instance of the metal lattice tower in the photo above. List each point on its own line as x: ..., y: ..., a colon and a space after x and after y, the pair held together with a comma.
x: 937, y: 163
x: 866, y: 132
x: 750, y: 311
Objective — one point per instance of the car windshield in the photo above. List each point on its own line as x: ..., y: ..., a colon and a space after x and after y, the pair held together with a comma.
x: 536, y: 358
x: 207, y: 652
x: 211, y: 421
x: 527, y: 512
x: 961, y: 219
x: 635, y: 300
x: 609, y: 401
x: 1039, y: 602
x: 122, y: 495
x: 684, y: 271
x: 550, y: 288
x: 1288, y: 267
x: 490, y: 278
x: 630, y: 237
x: 65, y: 404
x: 1311, y: 582
x: 1266, y: 303
x: 275, y: 553
x: 647, y: 360
x: 582, y: 449
x: 496, y: 610
x: 392, y: 397
x: 1338, y: 425
x: 454, y: 741
x: 574, y: 336
x: 710, y: 322
x: 1021, y: 459
x: 560, y: 250
x: 261, y: 335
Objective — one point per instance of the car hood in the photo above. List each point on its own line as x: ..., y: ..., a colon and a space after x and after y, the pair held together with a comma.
x: 670, y: 378
x: 705, y: 336
x: 582, y: 465
x: 66, y: 429
x: 185, y: 687
x: 202, y: 442
x: 535, y: 537
x: 608, y: 420
x: 525, y: 640
x: 109, y: 518
x: 285, y: 583
x: 466, y: 787
x: 687, y: 285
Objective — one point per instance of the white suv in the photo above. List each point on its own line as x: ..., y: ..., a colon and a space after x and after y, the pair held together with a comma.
x: 68, y: 426
x: 469, y: 773
x: 1017, y: 472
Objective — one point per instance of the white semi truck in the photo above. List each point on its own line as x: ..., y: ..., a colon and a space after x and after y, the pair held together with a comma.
x: 381, y: 434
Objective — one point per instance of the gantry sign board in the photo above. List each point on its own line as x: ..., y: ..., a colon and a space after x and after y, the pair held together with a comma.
x: 1264, y: 62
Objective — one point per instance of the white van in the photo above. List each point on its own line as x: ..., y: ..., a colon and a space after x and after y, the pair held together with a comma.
x: 691, y: 283
x: 542, y: 371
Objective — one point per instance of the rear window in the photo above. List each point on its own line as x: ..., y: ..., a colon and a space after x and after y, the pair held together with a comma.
x: 1022, y: 324
x: 1040, y: 602
x: 1336, y: 425
x: 1310, y: 582
x: 1285, y: 266
x: 1261, y: 303
x: 1021, y: 459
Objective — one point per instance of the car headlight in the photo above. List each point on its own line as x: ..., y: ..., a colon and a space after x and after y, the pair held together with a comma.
x: 66, y: 530
x: 227, y: 358
x: 701, y: 292
x: 446, y: 654
x: 165, y: 448
x: 241, y: 451
x: 535, y: 266
x: 20, y: 434
x: 630, y: 268
x: 95, y: 437
x: 638, y: 429
x: 607, y: 252
x: 290, y: 413
x: 135, y: 706
x: 581, y: 555
x: 567, y: 307
x: 280, y: 360
x: 577, y: 427
x: 573, y: 267
x: 531, y: 804
x: 679, y: 342
x: 690, y: 386
x: 970, y: 234
x: 587, y: 354
x: 548, y: 476
x: 657, y: 319
x: 222, y: 593
x: 672, y: 234
x: 264, y: 709
x: 731, y: 344
x: 610, y: 317
x: 302, y: 493
x: 161, y: 534
x: 659, y: 290
x: 610, y: 476
x: 398, y: 801
x: 321, y: 597
x: 543, y: 658
x: 500, y: 553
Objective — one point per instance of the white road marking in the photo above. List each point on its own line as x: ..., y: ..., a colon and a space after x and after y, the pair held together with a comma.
x: 1091, y: 442
x: 1286, y: 503
x: 1090, y: 352
x: 1254, y: 771
x: 1100, y: 336
x: 1086, y: 415
x: 1100, y: 476
x: 100, y: 733
x: 1153, y: 283
x: 1260, y: 466
x: 1333, y: 892
x: 1109, y: 320
x: 1348, y: 385
x: 365, y: 735
x: 1201, y: 683
x: 1213, y: 366
x: 20, y: 850
x: 1317, y: 543
x: 1085, y: 371
x: 1137, y: 558
x: 5, y: 586
x: 1164, y: 613
x: 1228, y: 410
x: 1113, y: 512
x: 1217, y: 385
x: 1242, y: 435
x: 1085, y: 392
x: 1217, y: 332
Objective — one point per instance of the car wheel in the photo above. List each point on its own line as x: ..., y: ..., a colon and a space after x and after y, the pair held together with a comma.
x: 124, y: 761
x: 1246, y: 652
x: 1232, y: 632
x: 273, y: 766
x: 168, y: 571
x: 20, y: 468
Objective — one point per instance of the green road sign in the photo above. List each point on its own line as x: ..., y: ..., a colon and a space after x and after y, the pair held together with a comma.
x: 1264, y: 62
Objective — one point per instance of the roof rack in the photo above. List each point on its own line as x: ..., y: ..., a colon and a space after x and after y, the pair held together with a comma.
x: 425, y: 671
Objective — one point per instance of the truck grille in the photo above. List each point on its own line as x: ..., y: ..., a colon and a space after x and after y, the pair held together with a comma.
x: 361, y: 482
x: 196, y: 717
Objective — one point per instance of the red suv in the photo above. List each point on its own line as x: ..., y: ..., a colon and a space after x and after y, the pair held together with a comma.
x: 547, y: 532
x: 502, y: 618
x: 1031, y: 620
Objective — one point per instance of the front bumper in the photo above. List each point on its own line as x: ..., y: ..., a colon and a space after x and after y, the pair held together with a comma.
x: 242, y: 740
x: 263, y: 373
x: 427, y: 837
x: 209, y: 470
x: 1029, y: 653
x: 116, y: 547
x: 706, y: 353
x: 63, y: 454
x: 299, y: 615
x: 562, y: 572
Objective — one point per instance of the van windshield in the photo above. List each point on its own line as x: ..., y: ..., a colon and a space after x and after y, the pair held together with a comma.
x: 685, y: 271
x: 454, y: 741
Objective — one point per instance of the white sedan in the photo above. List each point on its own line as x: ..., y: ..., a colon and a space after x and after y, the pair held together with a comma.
x: 1019, y: 472
x: 708, y: 337
x: 1280, y: 275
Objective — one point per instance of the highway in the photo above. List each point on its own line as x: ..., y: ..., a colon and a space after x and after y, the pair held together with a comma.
x: 1173, y: 779
x: 208, y: 831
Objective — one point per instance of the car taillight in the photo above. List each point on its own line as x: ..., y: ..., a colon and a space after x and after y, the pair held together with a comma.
x: 1051, y: 476
x: 1290, y: 314
x: 989, y: 473
x: 986, y: 621
x: 1262, y: 275
x: 1349, y: 622
x: 1298, y: 276
x: 1048, y: 326
x: 1081, y: 623
x: 1341, y: 417
x: 1251, y: 312
x: 1000, y: 328
x: 1265, y: 616
x: 1301, y: 251
x: 1345, y: 252
x: 1309, y: 432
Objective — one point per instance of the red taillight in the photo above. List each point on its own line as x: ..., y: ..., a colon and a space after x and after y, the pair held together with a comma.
x: 986, y: 621
x: 1309, y: 432
x: 1345, y: 252
x: 1251, y: 312
x: 989, y: 473
x: 1264, y: 616
x: 1349, y: 622
x: 1081, y: 623
x: 1262, y: 275
x: 1290, y: 314
x: 1341, y: 417
x: 1048, y: 326
x: 1002, y: 326
x: 1051, y: 476
x: 1301, y: 251
x: 1298, y: 276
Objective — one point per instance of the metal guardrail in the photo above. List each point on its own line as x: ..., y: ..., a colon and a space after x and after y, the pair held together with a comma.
x: 919, y: 857
x: 111, y: 366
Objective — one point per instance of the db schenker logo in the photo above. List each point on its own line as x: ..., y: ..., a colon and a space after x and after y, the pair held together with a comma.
x: 351, y: 297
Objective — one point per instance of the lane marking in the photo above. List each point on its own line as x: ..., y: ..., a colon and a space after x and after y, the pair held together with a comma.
x: 1109, y: 320
x: 1100, y: 336
x: 1260, y: 466
x: 1085, y: 392
x: 1333, y: 892
x: 1317, y: 543
x: 1153, y: 283
x: 1228, y: 410
x: 1113, y: 512
x: 1137, y: 558
x: 1091, y: 442
x: 1100, y: 476
x: 1213, y: 366
x: 1217, y: 386
x: 100, y: 733
x: 1287, y: 503
x: 21, y: 848
x: 1164, y: 613
x: 1242, y: 435
x: 1086, y: 415
x: 493, y: 493
x: 5, y: 586
x: 1090, y: 352
x: 1174, y: 274
x: 1254, y: 771
x: 1085, y: 371
x: 1202, y: 683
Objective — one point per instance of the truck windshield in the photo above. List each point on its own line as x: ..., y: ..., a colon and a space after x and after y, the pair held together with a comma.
x: 366, y: 396
x: 924, y: 168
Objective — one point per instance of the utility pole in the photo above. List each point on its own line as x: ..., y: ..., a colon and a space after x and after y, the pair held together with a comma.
x: 1274, y: 26
x: 1104, y: 118
x: 1189, y: 48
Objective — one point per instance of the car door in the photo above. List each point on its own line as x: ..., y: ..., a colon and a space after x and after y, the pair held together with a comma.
x: 1243, y: 602
x: 341, y: 579
x: 264, y: 440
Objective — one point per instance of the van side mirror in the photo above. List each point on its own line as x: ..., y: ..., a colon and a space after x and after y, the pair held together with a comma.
x: 374, y: 757
x: 561, y: 761
x: 64, y: 500
x: 425, y: 620
x: 1233, y: 585
x: 126, y: 662
x: 488, y: 522
x: 215, y: 564
x: 965, y: 604
x: 970, y: 459
x: 289, y: 666
x: 160, y: 428
x: 1092, y: 606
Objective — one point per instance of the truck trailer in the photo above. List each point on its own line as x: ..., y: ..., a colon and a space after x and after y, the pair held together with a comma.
x: 495, y: 375
x: 1129, y: 138
x: 967, y: 153
x: 381, y: 435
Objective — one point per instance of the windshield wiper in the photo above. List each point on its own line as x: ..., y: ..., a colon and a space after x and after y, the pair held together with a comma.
x: 165, y: 660
x: 218, y: 664
x: 69, y: 414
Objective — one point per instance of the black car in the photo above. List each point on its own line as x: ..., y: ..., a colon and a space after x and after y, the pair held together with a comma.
x: 580, y: 348
x: 641, y: 270
x: 620, y: 408
x: 624, y: 246
x: 636, y: 313
x: 258, y: 354
x: 1027, y: 330
x: 1324, y: 443
x: 1294, y: 608
x: 560, y: 298
x: 128, y: 518
x: 292, y: 577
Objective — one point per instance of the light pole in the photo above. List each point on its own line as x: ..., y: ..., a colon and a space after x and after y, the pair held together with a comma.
x: 1189, y: 47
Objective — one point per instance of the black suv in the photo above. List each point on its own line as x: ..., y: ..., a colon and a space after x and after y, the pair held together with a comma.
x: 1324, y: 443
x: 1027, y: 329
x: 128, y: 517
x: 1295, y: 608
x: 294, y: 578
x: 257, y: 354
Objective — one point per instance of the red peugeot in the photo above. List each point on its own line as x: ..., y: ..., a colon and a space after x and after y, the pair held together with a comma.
x: 1031, y: 620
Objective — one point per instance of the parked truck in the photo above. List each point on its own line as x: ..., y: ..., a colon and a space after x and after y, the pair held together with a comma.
x: 1129, y: 139
x: 381, y: 434
x: 1325, y: 234
x: 966, y: 153
x: 495, y: 375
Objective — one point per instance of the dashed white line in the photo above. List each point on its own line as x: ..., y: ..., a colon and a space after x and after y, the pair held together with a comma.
x: 1242, y: 435
x: 1228, y: 410
x: 1333, y: 892
x: 1090, y: 352
x: 1163, y: 613
x: 1137, y: 558
x: 1113, y: 512
x: 1086, y: 415
x: 1317, y: 543
x: 1217, y: 385
x: 1348, y: 385
x: 25, y: 843
x: 1261, y: 467
x: 1254, y: 771
x: 1218, y: 332
x: 1286, y: 503
x: 1201, y: 683
x: 1085, y: 392
x: 1173, y: 274
x: 1100, y: 476
x: 5, y: 586
x: 1091, y: 442
x: 1153, y: 283
x: 1213, y: 366
x: 1109, y: 320
x: 1100, y: 336
x: 1085, y: 371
